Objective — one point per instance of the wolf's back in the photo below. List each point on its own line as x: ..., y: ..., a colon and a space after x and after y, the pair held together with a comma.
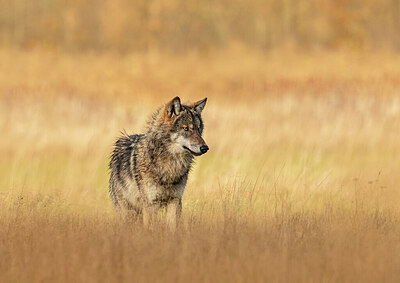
x: 121, y: 170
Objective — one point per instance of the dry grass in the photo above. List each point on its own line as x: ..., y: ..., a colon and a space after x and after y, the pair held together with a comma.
x: 300, y: 184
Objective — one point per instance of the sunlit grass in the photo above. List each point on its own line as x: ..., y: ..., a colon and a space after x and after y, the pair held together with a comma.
x: 300, y: 183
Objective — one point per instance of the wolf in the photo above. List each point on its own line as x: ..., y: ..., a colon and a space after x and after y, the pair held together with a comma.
x: 150, y: 171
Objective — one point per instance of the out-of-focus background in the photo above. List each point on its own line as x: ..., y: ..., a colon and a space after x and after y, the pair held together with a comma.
x: 176, y: 26
x: 301, y: 182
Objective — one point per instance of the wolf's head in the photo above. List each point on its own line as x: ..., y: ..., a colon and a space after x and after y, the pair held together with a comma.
x: 186, y: 126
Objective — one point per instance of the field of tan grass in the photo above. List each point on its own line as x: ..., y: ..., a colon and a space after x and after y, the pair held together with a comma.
x: 301, y: 183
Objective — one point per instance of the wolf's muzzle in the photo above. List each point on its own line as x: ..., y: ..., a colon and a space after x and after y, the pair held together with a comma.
x: 204, y: 149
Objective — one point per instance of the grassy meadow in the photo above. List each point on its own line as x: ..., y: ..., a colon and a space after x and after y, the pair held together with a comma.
x: 301, y: 183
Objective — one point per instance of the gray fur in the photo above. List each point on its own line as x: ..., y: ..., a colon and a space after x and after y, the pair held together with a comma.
x: 150, y: 170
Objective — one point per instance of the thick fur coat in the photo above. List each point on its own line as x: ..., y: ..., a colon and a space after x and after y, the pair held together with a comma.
x: 150, y: 170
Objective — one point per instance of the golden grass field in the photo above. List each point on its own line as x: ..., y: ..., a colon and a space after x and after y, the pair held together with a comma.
x: 301, y: 183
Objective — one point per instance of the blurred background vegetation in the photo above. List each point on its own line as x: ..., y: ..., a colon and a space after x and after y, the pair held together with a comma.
x: 303, y: 121
x: 179, y: 26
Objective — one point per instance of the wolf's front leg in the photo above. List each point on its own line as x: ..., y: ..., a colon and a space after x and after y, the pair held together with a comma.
x: 174, y: 211
x: 150, y: 213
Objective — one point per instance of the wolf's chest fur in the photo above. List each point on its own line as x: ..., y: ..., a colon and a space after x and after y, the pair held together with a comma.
x: 160, y: 174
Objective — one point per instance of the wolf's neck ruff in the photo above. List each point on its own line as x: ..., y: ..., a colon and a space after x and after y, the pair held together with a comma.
x: 169, y: 168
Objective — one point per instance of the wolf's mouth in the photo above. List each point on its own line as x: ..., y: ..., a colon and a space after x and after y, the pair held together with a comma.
x: 192, y: 152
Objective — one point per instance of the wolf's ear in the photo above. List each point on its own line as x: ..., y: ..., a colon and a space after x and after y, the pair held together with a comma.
x: 199, y: 105
x: 173, y: 107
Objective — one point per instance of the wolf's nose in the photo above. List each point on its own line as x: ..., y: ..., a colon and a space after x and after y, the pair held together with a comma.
x: 203, y: 148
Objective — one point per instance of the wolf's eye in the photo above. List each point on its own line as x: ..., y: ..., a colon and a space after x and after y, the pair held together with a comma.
x: 186, y: 128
